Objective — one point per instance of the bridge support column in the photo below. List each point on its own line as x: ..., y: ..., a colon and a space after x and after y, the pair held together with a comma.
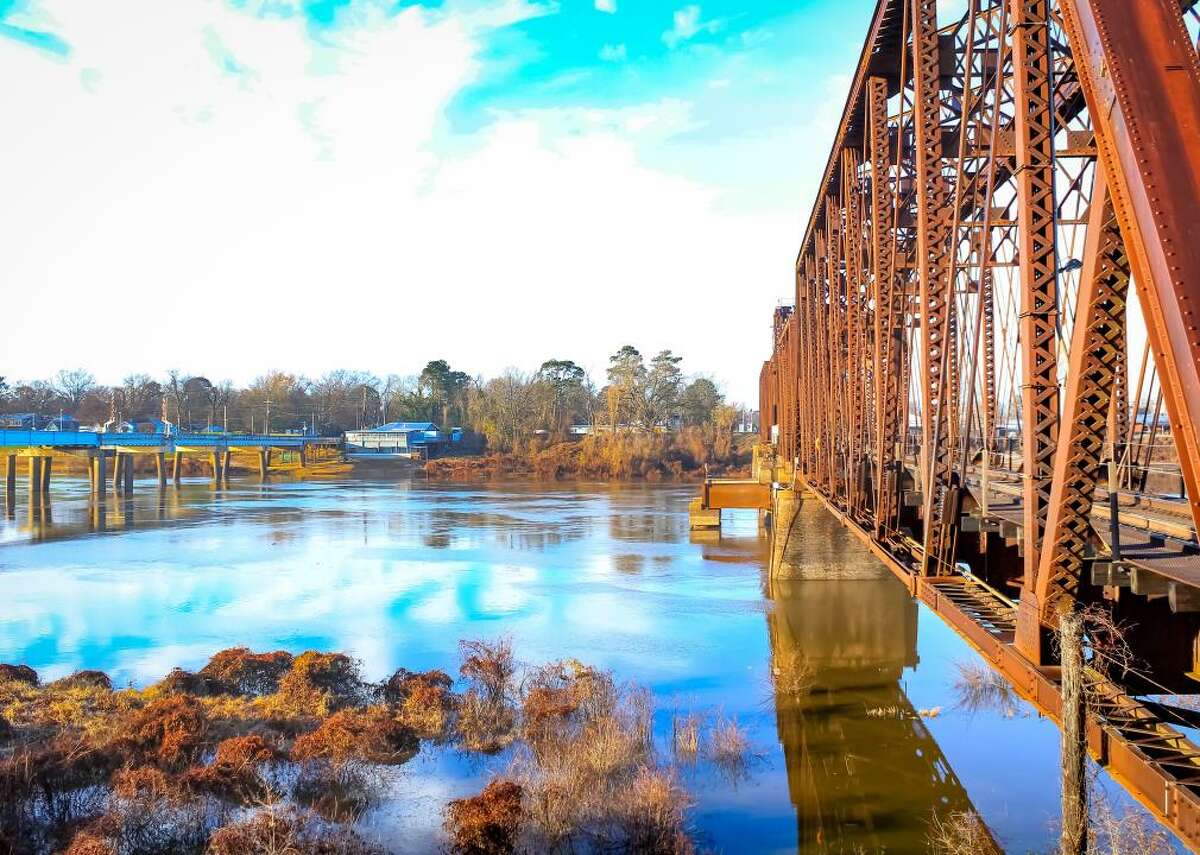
x: 118, y: 471
x: 99, y: 474
x: 783, y: 518
x: 35, y: 476
x: 226, y: 460
x: 47, y: 468
x: 264, y: 463
x: 160, y: 465
x: 303, y: 456
x: 216, y: 467
x: 176, y: 466
x: 10, y: 474
x: 127, y: 471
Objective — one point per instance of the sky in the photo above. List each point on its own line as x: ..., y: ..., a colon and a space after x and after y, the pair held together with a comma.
x: 227, y: 187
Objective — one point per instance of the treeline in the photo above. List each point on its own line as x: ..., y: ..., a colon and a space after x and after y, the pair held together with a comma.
x: 507, y: 410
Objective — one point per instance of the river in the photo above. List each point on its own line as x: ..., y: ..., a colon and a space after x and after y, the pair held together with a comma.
x: 396, y: 573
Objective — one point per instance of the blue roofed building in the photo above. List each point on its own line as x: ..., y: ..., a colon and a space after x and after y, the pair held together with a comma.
x: 408, y: 439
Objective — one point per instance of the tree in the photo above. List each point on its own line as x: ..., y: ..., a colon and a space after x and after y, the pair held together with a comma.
x: 626, y: 374
x: 563, y: 382
x: 659, y: 397
x: 444, y: 386
x: 139, y: 397
x: 503, y: 410
x: 698, y: 400
x: 74, y: 386
x: 197, y: 398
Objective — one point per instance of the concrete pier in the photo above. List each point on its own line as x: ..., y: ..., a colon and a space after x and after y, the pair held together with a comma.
x: 47, y: 468
x: 216, y: 467
x: 160, y: 465
x: 226, y: 460
x: 786, y: 506
x: 10, y: 474
x: 127, y: 471
x: 264, y: 463
x: 176, y: 466
x: 35, y: 476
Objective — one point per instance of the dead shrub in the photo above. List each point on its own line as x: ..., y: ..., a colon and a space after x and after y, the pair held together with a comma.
x: 88, y: 843
x: 372, y: 734
x: 236, y: 772
x: 484, y: 725
x: 286, y: 831
x: 46, y: 786
x: 792, y: 674
x: 960, y: 833
x: 321, y: 683
x: 488, y: 823
x: 84, y: 680
x: 650, y: 815
x: 181, y: 682
x: 18, y: 674
x: 488, y: 667
x: 426, y: 704
x: 729, y: 748
x: 152, y: 811
x: 241, y: 671
x: 339, y: 792
x: 171, y: 732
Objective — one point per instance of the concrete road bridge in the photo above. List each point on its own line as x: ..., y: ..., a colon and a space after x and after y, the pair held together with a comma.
x: 965, y: 377
x: 100, y: 449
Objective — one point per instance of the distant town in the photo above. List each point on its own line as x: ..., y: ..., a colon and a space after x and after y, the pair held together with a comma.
x: 436, y: 409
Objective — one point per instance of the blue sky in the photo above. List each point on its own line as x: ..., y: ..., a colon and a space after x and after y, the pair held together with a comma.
x: 575, y: 175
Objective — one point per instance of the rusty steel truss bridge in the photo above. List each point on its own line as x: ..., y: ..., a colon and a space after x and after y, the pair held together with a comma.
x: 991, y: 370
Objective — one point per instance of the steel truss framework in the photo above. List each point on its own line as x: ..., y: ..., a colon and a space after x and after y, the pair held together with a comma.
x: 960, y: 311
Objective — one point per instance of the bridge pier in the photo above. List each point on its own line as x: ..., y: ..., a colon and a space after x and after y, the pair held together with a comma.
x: 176, y: 466
x: 35, y: 476
x: 303, y: 456
x: 127, y: 471
x: 47, y: 468
x: 160, y: 466
x: 783, y: 520
x: 264, y: 463
x: 226, y: 460
x: 10, y: 474
x: 216, y: 467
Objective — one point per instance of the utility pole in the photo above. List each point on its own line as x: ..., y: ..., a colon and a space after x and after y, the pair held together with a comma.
x: 267, y: 430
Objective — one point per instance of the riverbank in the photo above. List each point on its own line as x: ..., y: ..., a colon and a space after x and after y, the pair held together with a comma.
x: 690, y: 454
x: 274, y: 752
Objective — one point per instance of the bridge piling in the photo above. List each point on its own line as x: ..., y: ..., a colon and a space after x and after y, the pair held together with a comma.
x: 176, y: 466
x: 216, y: 468
x: 160, y: 466
x: 127, y: 471
x: 226, y: 459
x: 47, y: 468
x: 10, y: 474
x: 787, y: 506
x: 264, y: 463
x: 35, y: 476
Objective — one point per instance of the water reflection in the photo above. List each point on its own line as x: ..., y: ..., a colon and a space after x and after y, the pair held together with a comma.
x: 863, y: 770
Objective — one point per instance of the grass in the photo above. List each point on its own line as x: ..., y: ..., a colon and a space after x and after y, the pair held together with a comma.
x: 960, y: 833
x: 792, y: 674
x: 269, y: 752
x: 977, y: 687
x: 729, y: 748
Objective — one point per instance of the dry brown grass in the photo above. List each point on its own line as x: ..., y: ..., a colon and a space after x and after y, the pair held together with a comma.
x: 320, y: 684
x: 338, y: 792
x: 18, y: 674
x: 240, y: 671
x: 792, y: 674
x: 424, y: 700
x: 488, y: 823
x: 729, y: 748
x: 488, y: 667
x: 977, y: 687
x: 960, y: 833
x: 685, y: 737
x: 1128, y: 831
x: 286, y: 831
x: 373, y: 735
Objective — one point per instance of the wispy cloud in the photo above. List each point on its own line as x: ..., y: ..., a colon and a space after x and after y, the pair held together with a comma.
x: 687, y: 25
x: 613, y: 53
x: 609, y: 6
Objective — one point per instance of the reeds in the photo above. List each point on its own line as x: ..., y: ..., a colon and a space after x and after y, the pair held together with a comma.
x: 960, y: 833
x: 977, y: 687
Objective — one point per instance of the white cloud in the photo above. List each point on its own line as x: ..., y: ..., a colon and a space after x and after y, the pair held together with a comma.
x: 687, y: 25
x: 183, y: 219
x: 609, y: 6
x: 613, y: 53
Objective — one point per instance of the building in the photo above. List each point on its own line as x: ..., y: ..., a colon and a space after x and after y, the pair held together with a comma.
x: 63, y: 423
x: 409, y: 439
x: 20, y: 421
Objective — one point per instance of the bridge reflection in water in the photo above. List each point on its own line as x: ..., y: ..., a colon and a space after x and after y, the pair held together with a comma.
x: 864, y: 772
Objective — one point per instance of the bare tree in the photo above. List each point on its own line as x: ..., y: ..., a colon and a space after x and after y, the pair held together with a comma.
x: 74, y: 386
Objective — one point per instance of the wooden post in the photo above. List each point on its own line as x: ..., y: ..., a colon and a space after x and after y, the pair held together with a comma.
x: 160, y: 465
x: 1074, y: 735
x: 47, y: 467
x: 10, y: 474
x: 127, y: 471
x: 176, y: 466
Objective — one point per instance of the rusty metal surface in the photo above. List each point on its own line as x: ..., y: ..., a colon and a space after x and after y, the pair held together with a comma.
x: 724, y: 493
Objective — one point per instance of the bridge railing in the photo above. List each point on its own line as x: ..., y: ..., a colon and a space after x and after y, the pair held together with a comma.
x: 13, y: 438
